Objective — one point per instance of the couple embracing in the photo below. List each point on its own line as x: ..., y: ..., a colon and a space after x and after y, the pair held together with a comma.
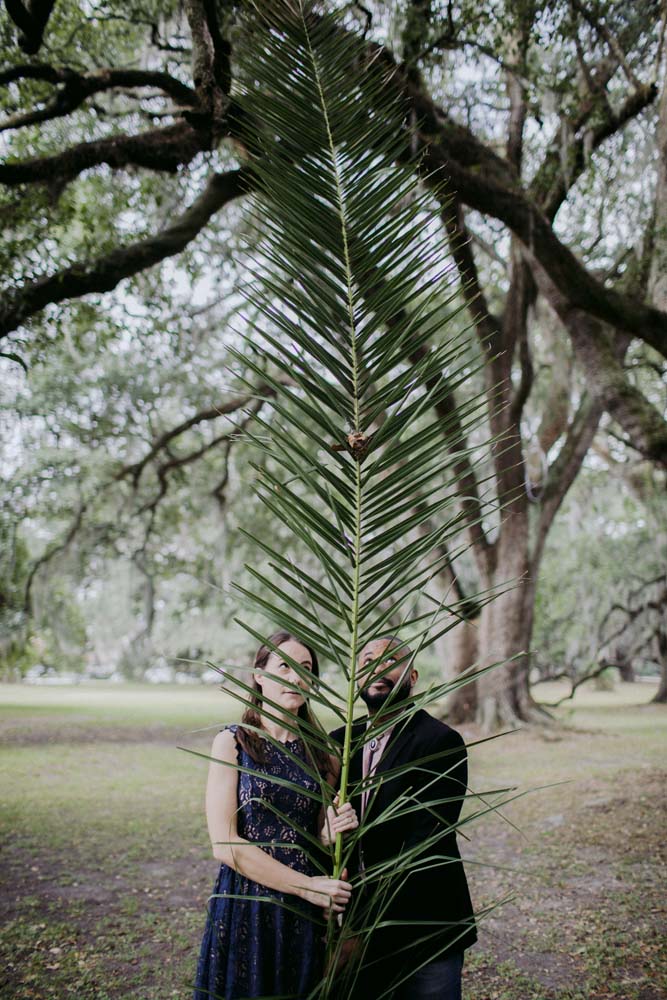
x: 404, y: 886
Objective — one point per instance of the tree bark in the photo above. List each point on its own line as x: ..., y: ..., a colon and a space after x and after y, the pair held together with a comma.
x: 461, y: 652
x: 661, y: 694
x: 625, y: 668
x: 658, y: 275
x: 505, y: 633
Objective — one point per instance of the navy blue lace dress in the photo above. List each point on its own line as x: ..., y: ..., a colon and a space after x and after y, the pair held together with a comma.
x: 253, y: 947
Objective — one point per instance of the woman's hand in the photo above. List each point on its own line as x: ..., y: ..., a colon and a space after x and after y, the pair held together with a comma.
x: 329, y: 893
x: 339, y: 819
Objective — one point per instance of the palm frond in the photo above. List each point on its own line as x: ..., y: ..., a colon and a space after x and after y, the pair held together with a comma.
x: 358, y: 331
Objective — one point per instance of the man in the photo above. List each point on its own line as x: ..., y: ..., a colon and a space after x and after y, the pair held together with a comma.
x: 413, y: 877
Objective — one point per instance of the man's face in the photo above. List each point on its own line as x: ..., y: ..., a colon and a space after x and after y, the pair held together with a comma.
x: 385, y: 673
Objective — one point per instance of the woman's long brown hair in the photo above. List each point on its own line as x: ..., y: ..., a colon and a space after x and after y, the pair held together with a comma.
x: 252, y: 741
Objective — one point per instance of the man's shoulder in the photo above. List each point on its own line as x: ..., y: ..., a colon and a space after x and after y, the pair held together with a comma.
x: 338, y: 735
x: 430, y: 729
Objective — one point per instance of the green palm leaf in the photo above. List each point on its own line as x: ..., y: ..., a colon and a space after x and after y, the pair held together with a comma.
x: 331, y: 224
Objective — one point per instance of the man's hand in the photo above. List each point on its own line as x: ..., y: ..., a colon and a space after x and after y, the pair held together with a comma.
x: 346, y: 952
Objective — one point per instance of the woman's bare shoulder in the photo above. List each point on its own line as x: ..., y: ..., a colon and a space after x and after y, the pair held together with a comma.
x: 224, y: 745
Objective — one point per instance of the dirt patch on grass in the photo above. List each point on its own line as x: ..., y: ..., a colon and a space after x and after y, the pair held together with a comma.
x: 183, y: 881
x: 35, y: 731
x: 588, y: 919
x: 112, y: 933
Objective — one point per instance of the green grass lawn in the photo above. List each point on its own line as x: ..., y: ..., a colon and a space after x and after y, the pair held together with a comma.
x: 106, y: 866
x: 105, y: 704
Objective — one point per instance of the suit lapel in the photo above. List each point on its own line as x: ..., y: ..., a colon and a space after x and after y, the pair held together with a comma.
x: 397, y: 742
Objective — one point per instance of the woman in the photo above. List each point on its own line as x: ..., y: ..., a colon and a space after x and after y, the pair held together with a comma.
x: 264, y: 935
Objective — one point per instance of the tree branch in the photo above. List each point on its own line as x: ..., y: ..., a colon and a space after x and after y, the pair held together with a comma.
x: 210, y: 65
x: 219, y: 490
x: 631, y: 616
x: 598, y: 352
x: 450, y: 41
x: 418, y: 16
x: 496, y: 338
x: 518, y: 44
x: 135, y: 469
x: 177, y: 462
x: 466, y: 480
x: 552, y: 182
x: 221, y: 48
x: 447, y: 410
x: 487, y: 325
x: 488, y: 194
x: 173, y: 462
x: 523, y: 390
x: 603, y: 31
x: 616, y: 660
x: 452, y: 154
x: 632, y: 596
x: 106, y: 272
x: 34, y: 71
x: 31, y: 20
x: 591, y: 675
x: 520, y: 297
x: 565, y: 468
x: 50, y: 553
x: 487, y: 248
x: 78, y: 87
x: 163, y: 149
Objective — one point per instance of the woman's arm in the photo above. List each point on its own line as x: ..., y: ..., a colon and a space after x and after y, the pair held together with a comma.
x: 242, y: 855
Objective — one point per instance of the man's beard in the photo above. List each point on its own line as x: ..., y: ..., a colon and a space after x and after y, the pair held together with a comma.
x: 392, y: 693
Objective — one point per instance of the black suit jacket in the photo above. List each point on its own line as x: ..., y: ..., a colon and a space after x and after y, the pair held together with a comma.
x: 420, y: 836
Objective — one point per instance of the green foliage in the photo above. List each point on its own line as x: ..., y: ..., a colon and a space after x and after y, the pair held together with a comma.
x: 16, y: 655
x: 608, y: 541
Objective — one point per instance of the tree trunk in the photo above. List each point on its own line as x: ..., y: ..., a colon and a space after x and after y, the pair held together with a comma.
x: 658, y: 295
x: 626, y: 668
x: 502, y: 693
x: 661, y: 693
x: 462, y: 650
x: 658, y: 275
x: 138, y: 656
x: 505, y: 633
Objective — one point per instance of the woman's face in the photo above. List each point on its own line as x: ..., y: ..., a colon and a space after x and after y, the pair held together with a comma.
x: 278, y: 673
